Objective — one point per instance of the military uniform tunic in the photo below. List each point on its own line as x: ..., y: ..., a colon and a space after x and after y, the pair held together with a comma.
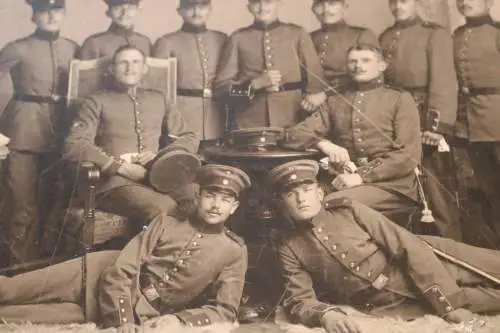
x: 197, y: 51
x: 349, y: 254
x: 186, y: 268
x: 105, y: 44
x: 257, y: 48
x: 332, y: 42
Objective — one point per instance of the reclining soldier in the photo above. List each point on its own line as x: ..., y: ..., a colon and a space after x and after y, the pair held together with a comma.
x: 343, y: 252
x: 161, y: 271
x: 121, y: 130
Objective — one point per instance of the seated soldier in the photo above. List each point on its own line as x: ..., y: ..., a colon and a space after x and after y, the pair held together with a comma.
x: 127, y: 121
x: 342, y: 252
x: 161, y: 271
x: 374, y: 126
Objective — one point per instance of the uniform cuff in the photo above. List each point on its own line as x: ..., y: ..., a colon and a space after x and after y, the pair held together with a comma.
x: 444, y: 304
x: 191, y: 319
x: 111, y: 168
x: 124, y: 314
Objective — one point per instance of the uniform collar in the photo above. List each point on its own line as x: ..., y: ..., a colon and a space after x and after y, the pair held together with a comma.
x: 193, y: 29
x: 118, y: 30
x: 365, y: 86
x: 46, y: 35
x: 315, y: 222
x: 334, y: 26
x: 478, y: 21
x: 262, y: 26
x: 408, y: 23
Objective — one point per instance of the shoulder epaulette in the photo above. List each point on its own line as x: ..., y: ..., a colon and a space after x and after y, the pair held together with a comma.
x: 234, y: 237
x: 338, y: 203
x: 358, y: 28
x: 432, y: 25
x: 397, y: 88
x: 243, y: 29
x: 292, y: 25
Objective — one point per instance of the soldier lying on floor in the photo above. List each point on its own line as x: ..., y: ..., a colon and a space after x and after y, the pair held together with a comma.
x: 191, y: 271
x: 343, y: 252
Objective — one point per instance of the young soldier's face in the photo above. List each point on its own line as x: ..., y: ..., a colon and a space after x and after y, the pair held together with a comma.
x: 365, y: 65
x: 129, y: 67
x: 403, y: 10
x: 303, y: 202
x: 216, y: 206
x: 196, y: 15
x: 265, y: 11
x: 123, y: 15
x: 49, y: 20
x: 329, y: 12
x: 474, y: 8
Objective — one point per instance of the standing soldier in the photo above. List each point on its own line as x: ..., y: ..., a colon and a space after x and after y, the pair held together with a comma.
x: 197, y: 50
x: 420, y: 58
x: 120, y: 33
x: 38, y: 65
x: 477, y: 55
x: 267, y: 67
x: 334, y: 39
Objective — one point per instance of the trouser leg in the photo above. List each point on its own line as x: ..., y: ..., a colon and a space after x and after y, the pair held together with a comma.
x: 53, y: 313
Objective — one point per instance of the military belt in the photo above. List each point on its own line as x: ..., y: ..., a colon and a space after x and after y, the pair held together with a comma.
x: 149, y: 290
x: 471, y: 91
x: 48, y: 99
x: 289, y: 86
x: 202, y: 93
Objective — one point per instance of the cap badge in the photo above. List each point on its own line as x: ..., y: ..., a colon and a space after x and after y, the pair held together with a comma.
x: 225, y: 182
x: 262, y: 139
x: 293, y: 177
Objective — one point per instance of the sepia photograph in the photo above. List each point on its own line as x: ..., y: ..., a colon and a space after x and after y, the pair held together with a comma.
x: 250, y: 166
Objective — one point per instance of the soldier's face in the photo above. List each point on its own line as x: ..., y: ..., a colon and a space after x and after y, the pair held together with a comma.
x: 123, y: 15
x: 49, y: 20
x: 196, y: 15
x: 329, y: 12
x: 403, y: 10
x: 474, y: 8
x: 266, y: 11
x: 129, y: 67
x: 365, y: 65
x: 216, y: 206
x: 303, y: 202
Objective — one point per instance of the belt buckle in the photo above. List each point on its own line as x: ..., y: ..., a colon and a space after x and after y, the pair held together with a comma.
x: 465, y: 90
x: 207, y: 93
x: 55, y: 98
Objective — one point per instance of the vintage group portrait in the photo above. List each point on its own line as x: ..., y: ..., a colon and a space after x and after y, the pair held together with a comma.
x: 249, y: 166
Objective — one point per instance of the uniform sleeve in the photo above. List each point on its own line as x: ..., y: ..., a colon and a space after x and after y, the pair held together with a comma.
x: 309, y: 132
x: 418, y: 260
x: 9, y: 57
x: 300, y: 301
x: 311, y: 65
x: 443, y: 87
x: 229, y: 289
x: 407, y: 147
x: 162, y: 49
x: 80, y: 143
x: 89, y: 50
x: 116, y: 282
x: 175, y: 133
x: 368, y: 37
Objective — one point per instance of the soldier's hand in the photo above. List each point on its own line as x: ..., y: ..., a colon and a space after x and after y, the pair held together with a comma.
x: 132, y: 171
x: 431, y: 138
x: 129, y: 328
x: 164, y: 322
x: 459, y: 315
x: 336, y: 322
x: 270, y: 80
x: 312, y: 101
x: 347, y: 180
x: 336, y: 154
x: 144, y: 158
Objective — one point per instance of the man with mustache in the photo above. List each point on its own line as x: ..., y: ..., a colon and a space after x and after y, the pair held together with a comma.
x: 334, y: 39
x: 342, y: 252
x: 477, y: 54
x: 372, y: 125
x: 269, y: 70
x: 189, y: 271
x: 420, y: 58
x: 197, y: 50
x: 38, y: 66
x: 128, y: 120
x: 120, y: 33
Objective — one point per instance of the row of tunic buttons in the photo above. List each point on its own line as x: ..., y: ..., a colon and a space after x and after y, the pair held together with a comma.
x: 122, y: 310
x: 357, y: 120
x: 394, y: 42
x: 268, y: 50
x: 137, y: 122
x: 180, y: 262
x: 324, y: 47
x: 462, y: 56
x: 204, y: 60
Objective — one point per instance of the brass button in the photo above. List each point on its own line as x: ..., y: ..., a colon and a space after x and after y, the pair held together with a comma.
x: 334, y: 247
x: 199, y: 236
x: 449, y: 308
x: 343, y: 256
x: 326, y: 238
x: 441, y: 299
x: 319, y: 230
x: 345, y: 278
x: 175, y: 269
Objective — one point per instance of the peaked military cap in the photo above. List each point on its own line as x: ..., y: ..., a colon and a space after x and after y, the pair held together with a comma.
x: 189, y: 3
x: 121, y: 2
x: 223, y: 177
x: 45, y: 5
x: 293, y: 173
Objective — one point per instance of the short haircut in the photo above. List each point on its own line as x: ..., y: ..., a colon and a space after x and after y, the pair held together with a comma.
x: 126, y: 48
x: 367, y: 47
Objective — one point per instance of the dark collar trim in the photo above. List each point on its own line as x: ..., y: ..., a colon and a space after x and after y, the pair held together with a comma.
x: 408, y: 23
x: 193, y: 29
x: 118, y: 30
x: 46, y: 35
x: 334, y: 26
x: 478, y: 21
x: 262, y: 26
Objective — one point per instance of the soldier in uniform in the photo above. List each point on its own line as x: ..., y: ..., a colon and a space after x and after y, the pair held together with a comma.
x: 334, y: 39
x: 120, y: 33
x: 124, y: 120
x: 197, y: 50
x: 476, y: 58
x: 420, y: 58
x: 38, y: 66
x: 269, y: 70
x: 372, y: 125
x: 161, y: 271
x: 342, y: 252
